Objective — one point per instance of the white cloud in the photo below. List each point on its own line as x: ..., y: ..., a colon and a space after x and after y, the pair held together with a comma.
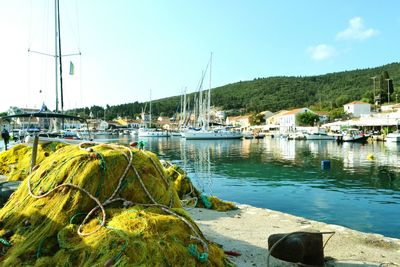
x: 356, y: 30
x: 321, y: 52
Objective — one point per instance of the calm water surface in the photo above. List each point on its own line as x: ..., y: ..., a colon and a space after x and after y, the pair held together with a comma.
x: 282, y: 175
x: 356, y: 192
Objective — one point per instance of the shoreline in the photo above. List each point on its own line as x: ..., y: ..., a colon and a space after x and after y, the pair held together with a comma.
x: 246, y: 231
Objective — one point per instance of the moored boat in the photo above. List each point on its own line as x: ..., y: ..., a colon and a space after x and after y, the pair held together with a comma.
x: 219, y: 133
x: 354, y: 135
x: 152, y: 132
x: 248, y: 135
x: 320, y: 134
x: 259, y: 135
x: 393, y: 137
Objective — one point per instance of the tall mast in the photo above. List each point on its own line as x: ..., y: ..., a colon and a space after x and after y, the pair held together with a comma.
x: 180, y: 111
x: 150, y: 109
x: 60, y: 56
x: 201, y: 118
x: 209, y: 97
x: 56, y: 54
x: 184, y: 108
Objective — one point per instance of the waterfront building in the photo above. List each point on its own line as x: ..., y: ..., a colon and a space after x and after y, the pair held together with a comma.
x: 274, y: 118
x: 26, y: 123
x: 241, y: 121
x: 323, y: 117
x: 163, y: 119
x: 287, y: 121
x: 357, y: 108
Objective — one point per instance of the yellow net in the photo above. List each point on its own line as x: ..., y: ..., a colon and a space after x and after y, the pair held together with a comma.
x: 15, y: 163
x: 99, y: 205
x: 189, y: 195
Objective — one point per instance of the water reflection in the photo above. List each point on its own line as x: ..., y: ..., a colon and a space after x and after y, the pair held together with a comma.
x: 357, y: 191
x: 361, y: 190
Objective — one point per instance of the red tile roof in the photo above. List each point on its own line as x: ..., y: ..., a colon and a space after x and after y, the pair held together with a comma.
x: 294, y: 111
x: 357, y: 102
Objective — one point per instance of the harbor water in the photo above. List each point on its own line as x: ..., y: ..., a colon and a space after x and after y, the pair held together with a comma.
x: 360, y: 189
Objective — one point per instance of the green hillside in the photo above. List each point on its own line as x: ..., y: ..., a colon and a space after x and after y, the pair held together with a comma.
x: 328, y: 91
x: 322, y: 92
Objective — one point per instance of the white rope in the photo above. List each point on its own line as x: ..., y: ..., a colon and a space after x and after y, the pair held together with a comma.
x: 99, y: 204
x: 198, y: 236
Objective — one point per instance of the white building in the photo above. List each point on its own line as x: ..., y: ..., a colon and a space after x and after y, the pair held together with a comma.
x: 356, y: 108
x: 287, y: 121
x: 267, y: 114
x: 390, y: 108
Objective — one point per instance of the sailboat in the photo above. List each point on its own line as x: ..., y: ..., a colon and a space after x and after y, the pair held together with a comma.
x: 56, y: 117
x: 147, y: 130
x: 205, y: 133
x: 394, y: 136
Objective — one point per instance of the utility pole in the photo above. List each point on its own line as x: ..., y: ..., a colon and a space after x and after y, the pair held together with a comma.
x: 373, y: 78
x: 388, y: 83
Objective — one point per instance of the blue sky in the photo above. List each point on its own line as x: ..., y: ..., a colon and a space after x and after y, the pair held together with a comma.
x: 131, y: 47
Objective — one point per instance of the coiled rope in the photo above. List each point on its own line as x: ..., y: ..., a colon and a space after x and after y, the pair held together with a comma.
x: 99, y: 204
x: 197, y: 234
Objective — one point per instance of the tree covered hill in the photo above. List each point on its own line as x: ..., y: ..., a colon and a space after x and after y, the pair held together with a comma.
x: 322, y: 92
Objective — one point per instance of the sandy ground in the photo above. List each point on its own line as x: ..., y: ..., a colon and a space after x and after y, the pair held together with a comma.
x: 246, y: 231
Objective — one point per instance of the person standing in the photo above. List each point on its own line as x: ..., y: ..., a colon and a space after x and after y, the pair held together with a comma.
x: 6, y: 136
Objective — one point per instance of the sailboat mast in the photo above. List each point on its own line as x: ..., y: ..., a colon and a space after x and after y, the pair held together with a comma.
x: 150, y: 110
x: 184, y: 108
x: 201, y: 107
x: 56, y: 29
x: 60, y: 56
x: 209, y: 98
x: 180, y: 111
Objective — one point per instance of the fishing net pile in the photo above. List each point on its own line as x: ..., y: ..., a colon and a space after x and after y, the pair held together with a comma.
x: 101, y: 205
x: 15, y: 163
x: 189, y: 195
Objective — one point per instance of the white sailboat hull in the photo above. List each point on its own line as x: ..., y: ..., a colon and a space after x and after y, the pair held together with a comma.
x: 152, y: 133
x: 393, y: 137
x: 318, y: 136
x: 210, y: 135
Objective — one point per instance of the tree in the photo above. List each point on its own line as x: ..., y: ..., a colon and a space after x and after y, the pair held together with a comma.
x: 341, y: 100
x: 324, y: 92
x: 337, y: 113
x: 307, y: 119
x: 368, y: 97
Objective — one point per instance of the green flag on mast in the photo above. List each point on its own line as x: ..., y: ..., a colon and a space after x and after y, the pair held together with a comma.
x: 71, y: 68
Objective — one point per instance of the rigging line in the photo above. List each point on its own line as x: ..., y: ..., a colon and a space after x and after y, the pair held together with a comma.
x: 44, y: 45
x: 29, y: 45
x: 40, y: 53
x: 77, y: 25
x: 80, y: 79
x: 30, y: 25
x: 29, y: 78
x: 67, y: 14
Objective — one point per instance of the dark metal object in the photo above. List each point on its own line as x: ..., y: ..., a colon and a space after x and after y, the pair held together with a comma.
x: 44, y: 115
x: 301, y: 247
x: 6, y: 189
